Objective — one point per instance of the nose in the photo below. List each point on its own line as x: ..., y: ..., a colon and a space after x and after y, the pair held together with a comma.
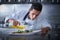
x: 34, y: 16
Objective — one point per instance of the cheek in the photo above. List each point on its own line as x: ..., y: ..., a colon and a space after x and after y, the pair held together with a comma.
x: 30, y: 14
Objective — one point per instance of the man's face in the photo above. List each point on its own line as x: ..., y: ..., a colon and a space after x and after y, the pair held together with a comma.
x: 33, y: 14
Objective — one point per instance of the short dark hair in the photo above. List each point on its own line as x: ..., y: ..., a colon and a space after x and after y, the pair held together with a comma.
x: 36, y: 6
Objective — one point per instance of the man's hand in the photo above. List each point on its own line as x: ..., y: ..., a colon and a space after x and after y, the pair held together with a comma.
x: 44, y: 31
x: 15, y: 23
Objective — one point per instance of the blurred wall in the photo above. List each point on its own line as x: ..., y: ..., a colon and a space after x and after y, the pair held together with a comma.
x: 6, y: 9
x: 52, y: 13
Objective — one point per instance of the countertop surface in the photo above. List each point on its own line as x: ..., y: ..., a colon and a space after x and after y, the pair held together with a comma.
x: 8, y: 31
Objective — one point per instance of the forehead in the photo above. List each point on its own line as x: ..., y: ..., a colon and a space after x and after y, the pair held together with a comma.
x: 35, y: 11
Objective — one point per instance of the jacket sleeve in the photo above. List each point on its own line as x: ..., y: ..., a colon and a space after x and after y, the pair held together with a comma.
x: 41, y: 23
x: 45, y: 23
x: 9, y: 17
x: 19, y: 15
x: 12, y: 16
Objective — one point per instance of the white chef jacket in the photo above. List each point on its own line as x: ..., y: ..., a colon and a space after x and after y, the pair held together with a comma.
x: 36, y: 24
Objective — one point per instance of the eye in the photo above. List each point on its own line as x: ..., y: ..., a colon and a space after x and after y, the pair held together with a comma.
x: 33, y: 13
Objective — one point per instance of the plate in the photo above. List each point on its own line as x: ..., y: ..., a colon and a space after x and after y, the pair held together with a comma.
x: 30, y: 33
x: 10, y: 31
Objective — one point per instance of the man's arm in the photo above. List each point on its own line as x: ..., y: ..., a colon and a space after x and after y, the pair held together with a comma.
x: 46, y: 27
x: 16, y: 17
x: 11, y: 18
x: 45, y: 30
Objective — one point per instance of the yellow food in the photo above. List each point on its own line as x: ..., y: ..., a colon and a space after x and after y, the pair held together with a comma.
x: 19, y: 27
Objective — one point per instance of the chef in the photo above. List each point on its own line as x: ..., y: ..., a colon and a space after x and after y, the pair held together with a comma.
x: 29, y: 18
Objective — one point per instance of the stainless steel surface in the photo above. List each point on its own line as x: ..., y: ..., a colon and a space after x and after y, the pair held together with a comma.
x: 6, y: 34
x: 11, y: 30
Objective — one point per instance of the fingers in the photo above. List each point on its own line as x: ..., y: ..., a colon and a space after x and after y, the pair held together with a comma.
x: 9, y: 20
x: 16, y: 23
x: 44, y: 31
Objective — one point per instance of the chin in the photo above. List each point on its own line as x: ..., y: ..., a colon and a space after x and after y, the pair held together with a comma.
x: 33, y: 19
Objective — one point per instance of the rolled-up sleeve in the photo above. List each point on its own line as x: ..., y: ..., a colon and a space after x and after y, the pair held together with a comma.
x: 9, y: 17
x: 45, y: 23
x: 42, y: 23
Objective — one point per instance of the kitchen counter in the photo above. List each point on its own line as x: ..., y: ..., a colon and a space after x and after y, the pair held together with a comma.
x: 6, y: 33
